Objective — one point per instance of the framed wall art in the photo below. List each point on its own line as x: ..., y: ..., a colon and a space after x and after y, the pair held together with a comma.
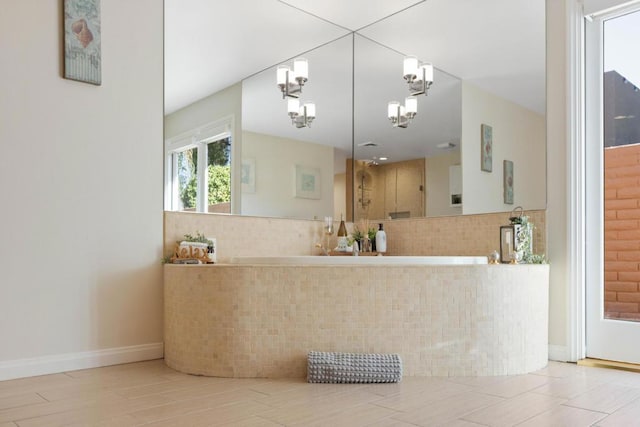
x: 82, y: 41
x: 307, y: 182
x: 486, y: 148
x: 508, y: 181
x: 248, y: 175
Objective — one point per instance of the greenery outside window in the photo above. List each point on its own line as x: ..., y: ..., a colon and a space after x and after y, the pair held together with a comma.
x: 198, y: 170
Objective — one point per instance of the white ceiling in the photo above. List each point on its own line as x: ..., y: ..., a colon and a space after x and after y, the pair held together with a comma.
x: 498, y: 45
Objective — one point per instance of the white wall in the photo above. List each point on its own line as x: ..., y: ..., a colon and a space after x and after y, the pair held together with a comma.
x: 275, y: 159
x: 226, y: 103
x: 519, y: 136
x: 81, y: 174
x: 438, y: 200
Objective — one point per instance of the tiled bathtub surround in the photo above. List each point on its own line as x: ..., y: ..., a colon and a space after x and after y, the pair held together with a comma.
x: 258, y: 236
x: 260, y: 321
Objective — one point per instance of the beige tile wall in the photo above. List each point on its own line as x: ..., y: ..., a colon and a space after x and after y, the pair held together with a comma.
x: 258, y: 236
x: 260, y: 321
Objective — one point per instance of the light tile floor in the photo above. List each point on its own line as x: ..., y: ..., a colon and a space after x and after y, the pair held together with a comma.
x: 149, y: 393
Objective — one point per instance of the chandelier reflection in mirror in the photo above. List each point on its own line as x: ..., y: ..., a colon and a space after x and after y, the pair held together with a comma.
x: 290, y: 82
x: 418, y: 75
x: 401, y: 115
x: 301, y: 116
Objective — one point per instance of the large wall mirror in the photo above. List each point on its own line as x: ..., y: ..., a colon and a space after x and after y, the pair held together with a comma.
x: 489, y: 73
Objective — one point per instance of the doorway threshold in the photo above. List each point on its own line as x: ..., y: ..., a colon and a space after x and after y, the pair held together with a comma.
x: 609, y: 364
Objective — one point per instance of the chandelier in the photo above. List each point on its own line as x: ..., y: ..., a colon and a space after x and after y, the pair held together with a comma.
x: 401, y: 115
x: 290, y: 81
x: 419, y: 76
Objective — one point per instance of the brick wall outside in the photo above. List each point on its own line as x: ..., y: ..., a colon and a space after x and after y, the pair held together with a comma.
x: 622, y: 232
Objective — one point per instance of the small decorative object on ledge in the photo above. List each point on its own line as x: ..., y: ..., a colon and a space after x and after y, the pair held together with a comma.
x: 516, y: 239
x: 343, y: 368
x: 195, y: 249
x: 82, y: 41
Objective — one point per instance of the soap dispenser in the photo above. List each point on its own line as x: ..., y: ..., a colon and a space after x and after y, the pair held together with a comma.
x: 381, y: 240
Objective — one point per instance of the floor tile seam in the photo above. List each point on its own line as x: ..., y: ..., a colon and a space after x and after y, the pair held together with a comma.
x: 393, y: 417
x: 333, y: 412
x: 586, y: 409
x: 267, y: 394
x: 593, y: 410
x: 22, y: 405
x: 365, y: 404
x: 325, y: 398
x: 213, y: 406
x: 573, y: 396
x: 261, y: 417
x: 461, y: 416
x: 202, y: 396
x: 81, y: 410
x: 633, y: 402
x: 472, y: 422
x: 379, y: 402
x: 202, y: 410
x: 159, y: 392
x: 55, y: 412
x: 305, y: 402
x: 140, y: 421
x: 508, y: 399
x: 302, y: 401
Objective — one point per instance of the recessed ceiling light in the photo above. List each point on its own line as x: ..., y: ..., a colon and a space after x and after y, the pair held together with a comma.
x: 384, y: 158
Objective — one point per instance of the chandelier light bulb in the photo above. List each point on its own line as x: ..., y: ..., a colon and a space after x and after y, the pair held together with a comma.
x: 392, y: 109
x: 301, y: 69
x: 293, y: 106
x: 411, y: 105
x: 410, y: 67
x: 281, y: 73
x: 311, y: 109
x: 428, y: 72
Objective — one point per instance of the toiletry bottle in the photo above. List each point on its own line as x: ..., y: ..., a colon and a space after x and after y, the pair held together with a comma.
x: 342, y: 228
x: 381, y: 240
x: 342, y: 236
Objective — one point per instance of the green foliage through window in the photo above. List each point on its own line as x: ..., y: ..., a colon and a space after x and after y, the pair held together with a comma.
x: 218, y: 174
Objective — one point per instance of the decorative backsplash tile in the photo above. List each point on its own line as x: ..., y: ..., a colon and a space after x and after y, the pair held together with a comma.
x: 474, y: 235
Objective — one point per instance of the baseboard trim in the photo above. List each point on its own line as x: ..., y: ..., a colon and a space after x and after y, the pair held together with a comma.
x: 54, y: 364
x: 559, y: 353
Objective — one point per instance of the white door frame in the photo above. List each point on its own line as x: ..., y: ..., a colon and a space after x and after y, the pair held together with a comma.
x: 576, y: 208
x: 585, y: 223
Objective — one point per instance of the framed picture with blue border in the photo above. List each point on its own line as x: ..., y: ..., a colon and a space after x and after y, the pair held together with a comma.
x: 82, y: 41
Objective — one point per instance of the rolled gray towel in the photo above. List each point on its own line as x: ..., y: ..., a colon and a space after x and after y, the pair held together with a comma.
x: 324, y: 367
